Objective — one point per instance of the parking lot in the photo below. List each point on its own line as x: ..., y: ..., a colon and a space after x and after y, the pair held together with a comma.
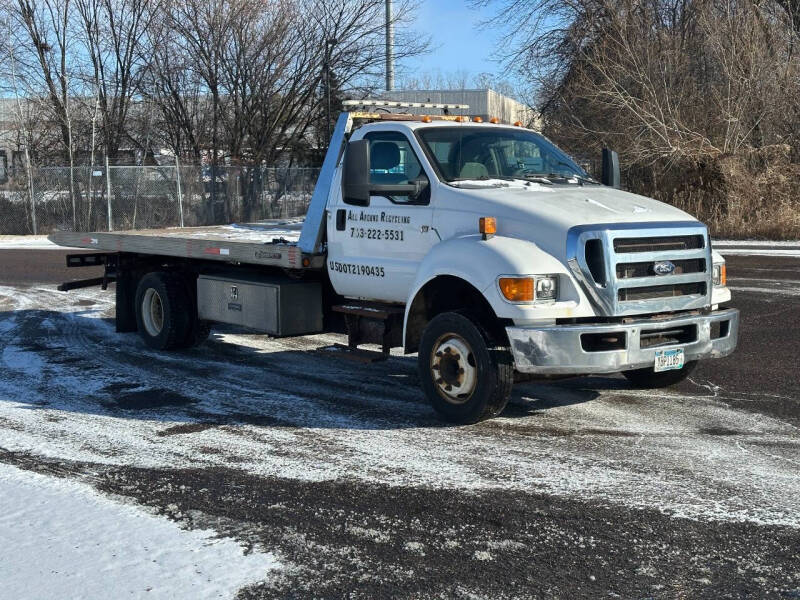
x: 584, y: 486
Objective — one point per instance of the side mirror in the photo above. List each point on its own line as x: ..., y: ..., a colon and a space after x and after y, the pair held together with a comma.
x: 356, y: 186
x: 610, y: 176
x: 355, y: 179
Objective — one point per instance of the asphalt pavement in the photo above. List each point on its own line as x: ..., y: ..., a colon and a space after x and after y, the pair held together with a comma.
x: 584, y: 488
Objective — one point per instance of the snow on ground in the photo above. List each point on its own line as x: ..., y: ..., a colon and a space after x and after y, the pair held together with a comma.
x: 61, y: 539
x: 27, y: 242
x: 282, y: 408
x: 757, y: 247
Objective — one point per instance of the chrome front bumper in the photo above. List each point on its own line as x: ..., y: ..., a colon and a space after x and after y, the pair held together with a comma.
x: 562, y: 349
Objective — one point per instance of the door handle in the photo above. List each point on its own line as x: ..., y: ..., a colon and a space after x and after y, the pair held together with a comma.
x: 341, y: 219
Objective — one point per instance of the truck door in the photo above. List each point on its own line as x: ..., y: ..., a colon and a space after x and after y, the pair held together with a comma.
x: 374, y: 251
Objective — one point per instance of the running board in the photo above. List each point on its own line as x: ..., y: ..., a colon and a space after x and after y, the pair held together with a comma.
x: 373, y: 323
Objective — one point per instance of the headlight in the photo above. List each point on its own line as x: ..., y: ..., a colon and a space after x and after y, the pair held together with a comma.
x: 539, y: 288
x: 719, y: 275
x: 546, y: 287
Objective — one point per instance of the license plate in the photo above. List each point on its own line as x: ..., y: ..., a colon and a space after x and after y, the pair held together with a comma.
x: 667, y: 360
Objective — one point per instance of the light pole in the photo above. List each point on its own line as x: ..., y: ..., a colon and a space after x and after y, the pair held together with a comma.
x: 389, y: 47
x: 329, y: 44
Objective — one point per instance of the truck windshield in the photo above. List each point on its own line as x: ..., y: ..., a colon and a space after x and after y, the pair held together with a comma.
x: 465, y: 152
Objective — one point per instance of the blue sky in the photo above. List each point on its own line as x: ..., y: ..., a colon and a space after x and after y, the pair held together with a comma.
x: 459, y: 43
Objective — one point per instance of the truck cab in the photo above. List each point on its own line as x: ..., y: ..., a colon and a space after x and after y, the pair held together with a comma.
x: 506, y: 256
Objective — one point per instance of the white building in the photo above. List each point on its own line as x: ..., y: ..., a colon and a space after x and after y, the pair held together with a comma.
x: 484, y: 103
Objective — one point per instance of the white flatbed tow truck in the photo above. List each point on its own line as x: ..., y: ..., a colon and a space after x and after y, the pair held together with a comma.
x: 480, y: 246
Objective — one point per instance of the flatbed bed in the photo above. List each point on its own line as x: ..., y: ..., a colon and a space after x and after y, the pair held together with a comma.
x: 270, y: 243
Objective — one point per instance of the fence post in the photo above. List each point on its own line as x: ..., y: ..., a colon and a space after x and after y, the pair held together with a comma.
x: 108, y: 195
x: 30, y: 190
x: 180, y: 195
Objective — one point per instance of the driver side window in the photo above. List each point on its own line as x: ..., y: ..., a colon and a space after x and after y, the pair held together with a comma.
x: 394, y: 162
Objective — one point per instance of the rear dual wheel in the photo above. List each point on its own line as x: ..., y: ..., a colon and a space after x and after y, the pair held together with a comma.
x: 166, y: 312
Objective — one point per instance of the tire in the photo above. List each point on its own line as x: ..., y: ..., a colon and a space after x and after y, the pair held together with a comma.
x: 465, y: 379
x: 163, y: 311
x: 649, y: 379
x: 198, y: 333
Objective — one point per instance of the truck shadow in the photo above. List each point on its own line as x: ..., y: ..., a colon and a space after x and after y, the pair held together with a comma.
x: 76, y: 362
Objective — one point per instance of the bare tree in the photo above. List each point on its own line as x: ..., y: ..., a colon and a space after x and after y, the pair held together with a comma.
x: 663, y: 80
x: 115, y: 36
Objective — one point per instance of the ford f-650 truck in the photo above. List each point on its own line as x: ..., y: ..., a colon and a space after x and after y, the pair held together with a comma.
x: 480, y: 246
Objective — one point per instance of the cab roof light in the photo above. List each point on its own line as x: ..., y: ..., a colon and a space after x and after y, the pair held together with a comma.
x: 487, y: 226
x: 477, y: 119
x: 517, y: 123
x: 494, y: 120
x: 426, y: 119
x: 400, y: 104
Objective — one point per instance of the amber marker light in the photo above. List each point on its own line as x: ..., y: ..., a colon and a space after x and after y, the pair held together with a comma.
x: 517, y: 289
x: 487, y: 226
x: 477, y: 119
x: 494, y: 120
x: 426, y: 119
x: 460, y: 119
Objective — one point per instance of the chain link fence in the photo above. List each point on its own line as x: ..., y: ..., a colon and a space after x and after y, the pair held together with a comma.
x: 147, y: 197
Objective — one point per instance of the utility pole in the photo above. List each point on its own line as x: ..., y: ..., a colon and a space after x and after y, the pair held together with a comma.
x: 329, y: 44
x: 389, y: 47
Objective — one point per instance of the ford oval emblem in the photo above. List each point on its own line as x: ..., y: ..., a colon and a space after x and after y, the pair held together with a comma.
x: 663, y: 267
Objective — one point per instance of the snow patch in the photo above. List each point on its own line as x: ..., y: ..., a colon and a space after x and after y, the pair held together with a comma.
x: 61, y: 539
x: 26, y: 242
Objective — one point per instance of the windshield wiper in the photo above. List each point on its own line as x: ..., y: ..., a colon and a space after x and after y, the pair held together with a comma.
x: 549, y: 176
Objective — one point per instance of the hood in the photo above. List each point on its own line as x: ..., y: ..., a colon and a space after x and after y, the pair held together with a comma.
x: 544, y: 213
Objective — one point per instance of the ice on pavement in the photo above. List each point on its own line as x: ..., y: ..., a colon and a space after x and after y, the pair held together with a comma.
x: 61, y: 539
x: 270, y: 405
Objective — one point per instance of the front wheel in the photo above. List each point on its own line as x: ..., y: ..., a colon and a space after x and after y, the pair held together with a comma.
x: 649, y: 379
x: 464, y: 378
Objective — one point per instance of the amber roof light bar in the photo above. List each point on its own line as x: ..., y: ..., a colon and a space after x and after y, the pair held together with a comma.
x: 397, y: 104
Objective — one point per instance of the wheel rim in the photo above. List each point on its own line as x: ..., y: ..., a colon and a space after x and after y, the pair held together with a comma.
x: 453, y: 368
x: 152, y: 312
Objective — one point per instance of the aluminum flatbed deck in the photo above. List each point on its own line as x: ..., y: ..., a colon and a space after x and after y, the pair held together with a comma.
x: 269, y: 243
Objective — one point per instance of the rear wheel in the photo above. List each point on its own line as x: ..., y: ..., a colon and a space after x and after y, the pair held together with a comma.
x: 163, y: 311
x: 465, y: 379
x: 649, y: 379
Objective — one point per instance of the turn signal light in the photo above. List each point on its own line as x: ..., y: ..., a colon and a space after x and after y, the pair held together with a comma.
x: 487, y: 226
x: 517, y: 289
x: 720, y: 274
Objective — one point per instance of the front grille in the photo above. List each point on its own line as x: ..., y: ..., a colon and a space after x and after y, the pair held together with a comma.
x: 658, y: 244
x: 621, y: 269
x: 645, y: 269
x: 652, y: 292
